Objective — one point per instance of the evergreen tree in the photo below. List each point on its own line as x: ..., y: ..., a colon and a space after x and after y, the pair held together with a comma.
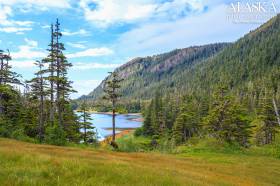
x: 38, y: 86
x: 268, y: 122
x: 63, y: 85
x: 50, y: 61
x: 6, y: 75
x: 111, y: 90
x: 86, y: 126
x: 147, y: 125
x: 227, y: 121
x: 186, y: 124
x: 157, y: 115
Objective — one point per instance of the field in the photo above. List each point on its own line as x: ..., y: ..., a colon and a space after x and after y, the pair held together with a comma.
x: 31, y: 164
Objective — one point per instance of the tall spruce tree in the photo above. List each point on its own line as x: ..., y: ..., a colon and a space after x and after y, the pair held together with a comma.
x: 50, y: 61
x: 111, y: 89
x: 63, y: 85
x: 7, y: 76
x: 38, y: 85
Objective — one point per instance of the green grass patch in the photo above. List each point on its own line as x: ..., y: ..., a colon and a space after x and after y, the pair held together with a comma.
x: 32, y: 164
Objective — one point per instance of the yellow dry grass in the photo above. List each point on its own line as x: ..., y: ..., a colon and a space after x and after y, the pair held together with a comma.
x: 30, y: 164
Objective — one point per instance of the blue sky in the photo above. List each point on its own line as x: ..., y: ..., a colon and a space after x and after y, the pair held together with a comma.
x: 100, y: 35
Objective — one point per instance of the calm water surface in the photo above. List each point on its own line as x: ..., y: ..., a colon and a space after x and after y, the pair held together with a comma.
x: 103, y: 121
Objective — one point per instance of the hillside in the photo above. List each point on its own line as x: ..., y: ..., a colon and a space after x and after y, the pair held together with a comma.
x: 30, y: 164
x: 247, y: 62
x: 251, y: 63
x: 143, y: 76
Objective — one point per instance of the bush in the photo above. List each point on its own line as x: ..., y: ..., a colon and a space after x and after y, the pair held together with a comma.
x: 55, y: 136
x: 209, y: 145
x: 4, y: 132
x: 131, y: 143
x: 20, y: 135
x: 139, y: 132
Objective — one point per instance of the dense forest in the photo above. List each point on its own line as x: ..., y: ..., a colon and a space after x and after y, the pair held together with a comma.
x: 228, y: 92
x: 207, y: 114
x: 223, y: 91
x: 233, y: 97
x: 42, y: 111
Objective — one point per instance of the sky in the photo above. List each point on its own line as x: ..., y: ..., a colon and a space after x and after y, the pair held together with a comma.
x: 101, y: 35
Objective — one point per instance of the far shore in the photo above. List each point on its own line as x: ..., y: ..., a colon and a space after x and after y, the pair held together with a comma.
x: 119, y: 129
x: 110, y: 113
x: 108, y: 138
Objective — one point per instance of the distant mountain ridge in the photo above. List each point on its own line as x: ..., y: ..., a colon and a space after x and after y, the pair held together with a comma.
x: 249, y: 64
x: 143, y: 74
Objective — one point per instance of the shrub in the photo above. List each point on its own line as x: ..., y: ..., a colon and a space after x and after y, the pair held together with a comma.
x: 55, y: 136
x: 139, y: 132
x: 20, y: 135
x: 131, y: 143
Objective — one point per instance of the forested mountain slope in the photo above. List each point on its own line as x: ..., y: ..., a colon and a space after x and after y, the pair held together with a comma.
x: 143, y: 76
x: 249, y: 63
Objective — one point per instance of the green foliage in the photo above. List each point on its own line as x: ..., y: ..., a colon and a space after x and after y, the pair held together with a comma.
x: 86, y: 126
x: 112, y: 94
x: 227, y: 120
x: 165, y: 72
x: 55, y: 136
x: 186, y: 124
x: 209, y: 145
x: 130, y: 143
x: 32, y: 115
x: 139, y: 132
x: 267, y: 125
x: 19, y: 134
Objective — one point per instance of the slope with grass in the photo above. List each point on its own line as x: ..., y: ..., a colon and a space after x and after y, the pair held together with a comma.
x: 30, y: 164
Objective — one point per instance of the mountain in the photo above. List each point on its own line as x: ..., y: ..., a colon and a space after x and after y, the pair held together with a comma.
x: 250, y: 63
x: 143, y: 76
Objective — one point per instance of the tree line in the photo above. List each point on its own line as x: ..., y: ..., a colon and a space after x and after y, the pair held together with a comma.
x: 236, y: 119
x: 43, y: 111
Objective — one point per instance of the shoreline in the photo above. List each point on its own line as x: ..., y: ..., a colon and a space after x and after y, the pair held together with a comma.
x: 119, y: 129
x: 108, y: 138
x: 110, y: 113
x: 140, y: 119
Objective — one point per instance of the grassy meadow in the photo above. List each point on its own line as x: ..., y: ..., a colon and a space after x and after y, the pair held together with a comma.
x: 24, y: 163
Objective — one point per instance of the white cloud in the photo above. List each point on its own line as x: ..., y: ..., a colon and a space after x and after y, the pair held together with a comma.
x: 22, y: 63
x: 28, y: 51
x: 27, y: 5
x: 92, y: 52
x: 31, y: 43
x: 84, y: 87
x: 12, y: 26
x: 17, y: 30
x: 81, y: 32
x: 88, y: 66
x: 107, y: 12
x: 46, y: 26
x: 5, y: 11
x: 156, y: 37
x: 76, y: 45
